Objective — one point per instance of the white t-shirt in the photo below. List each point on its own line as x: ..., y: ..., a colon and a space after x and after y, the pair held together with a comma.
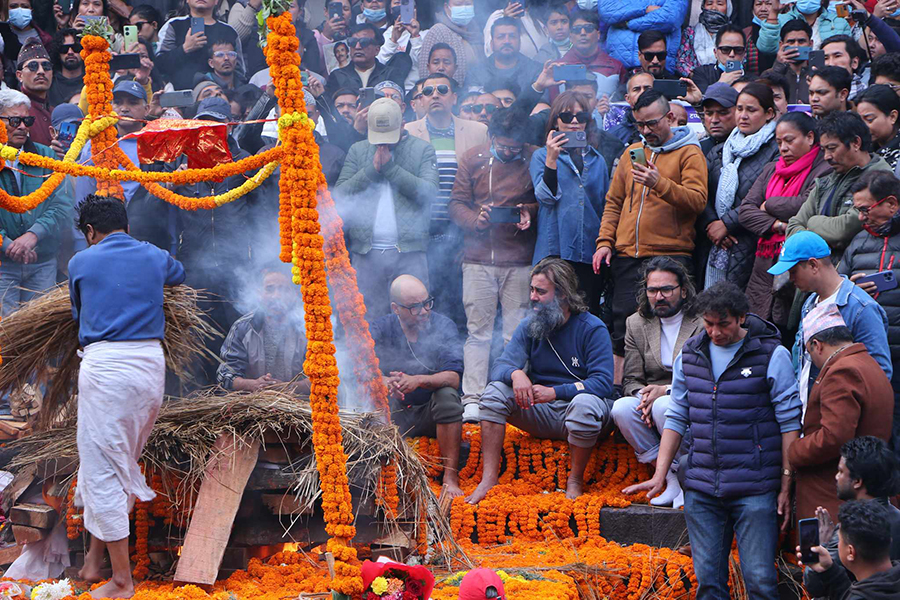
x: 384, y: 229
x: 669, y: 328
x: 364, y: 75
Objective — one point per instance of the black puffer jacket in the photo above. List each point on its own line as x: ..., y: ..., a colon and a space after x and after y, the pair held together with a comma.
x: 740, y: 262
x: 868, y: 254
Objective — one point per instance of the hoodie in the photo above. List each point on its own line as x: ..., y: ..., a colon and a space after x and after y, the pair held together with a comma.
x: 640, y: 222
x: 883, y: 586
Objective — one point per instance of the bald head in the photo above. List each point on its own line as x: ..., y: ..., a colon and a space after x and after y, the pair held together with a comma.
x: 407, y: 290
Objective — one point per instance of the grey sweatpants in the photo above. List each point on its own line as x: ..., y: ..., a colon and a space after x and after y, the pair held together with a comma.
x: 580, y: 420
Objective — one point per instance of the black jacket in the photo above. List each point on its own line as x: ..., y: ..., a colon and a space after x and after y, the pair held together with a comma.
x: 883, y: 586
x: 395, y: 70
x: 706, y: 75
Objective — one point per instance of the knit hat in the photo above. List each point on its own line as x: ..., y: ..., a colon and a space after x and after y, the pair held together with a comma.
x: 202, y: 86
x: 476, y: 582
x: 822, y: 317
x: 32, y: 49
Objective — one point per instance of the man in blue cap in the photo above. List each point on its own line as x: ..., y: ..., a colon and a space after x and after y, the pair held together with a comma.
x: 807, y: 258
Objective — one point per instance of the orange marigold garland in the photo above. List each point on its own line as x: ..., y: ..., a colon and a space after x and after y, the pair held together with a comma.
x: 96, y: 55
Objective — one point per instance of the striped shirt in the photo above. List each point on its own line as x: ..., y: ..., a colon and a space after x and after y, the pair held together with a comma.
x: 444, y: 143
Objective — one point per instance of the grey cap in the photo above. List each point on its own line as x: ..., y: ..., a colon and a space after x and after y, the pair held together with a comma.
x: 214, y: 109
x: 65, y: 113
x: 722, y: 93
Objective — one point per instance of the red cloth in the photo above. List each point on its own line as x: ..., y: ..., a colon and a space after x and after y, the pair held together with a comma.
x: 371, y: 570
x: 476, y: 582
x: 205, y: 143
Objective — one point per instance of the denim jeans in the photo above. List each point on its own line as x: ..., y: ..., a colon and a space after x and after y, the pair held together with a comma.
x: 20, y: 283
x: 713, y: 522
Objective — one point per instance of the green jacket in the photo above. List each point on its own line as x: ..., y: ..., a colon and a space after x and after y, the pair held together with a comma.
x: 413, y: 177
x: 47, y: 220
x: 829, y: 211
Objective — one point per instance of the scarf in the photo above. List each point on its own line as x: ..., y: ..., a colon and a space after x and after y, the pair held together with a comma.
x: 737, y: 147
x: 704, y: 45
x: 446, y: 35
x: 786, y: 181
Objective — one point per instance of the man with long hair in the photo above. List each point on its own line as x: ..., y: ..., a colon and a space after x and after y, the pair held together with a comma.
x: 564, y: 395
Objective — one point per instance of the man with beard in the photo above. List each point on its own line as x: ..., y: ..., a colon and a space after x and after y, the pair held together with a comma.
x: 68, y: 75
x: 420, y: 355
x: 565, y: 393
x: 35, y: 74
x: 867, y: 470
x: 506, y: 63
x: 654, y: 336
x: 267, y: 346
x: 718, y: 104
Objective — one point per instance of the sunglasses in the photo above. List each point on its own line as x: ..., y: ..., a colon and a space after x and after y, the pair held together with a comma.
x: 225, y: 54
x: 34, y: 66
x: 362, y: 42
x: 14, y: 122
x: 140, y: 24
x: 581, y: 116
x: 479, y: 108
x: 588, y: 28
x: 729, y: 50
x: 64, y: 48
x: 659, y: 56
x: 442, y: 89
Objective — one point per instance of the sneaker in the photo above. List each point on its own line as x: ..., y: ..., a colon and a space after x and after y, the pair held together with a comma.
x: 470, y: 413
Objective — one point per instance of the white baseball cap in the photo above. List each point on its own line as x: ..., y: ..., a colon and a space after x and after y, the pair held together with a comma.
x: 385, y: 122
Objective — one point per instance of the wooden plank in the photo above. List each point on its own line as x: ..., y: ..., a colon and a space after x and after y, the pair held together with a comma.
x: 18, y: 486
x: 9, y: 554
x: 29, y: 535
x: 220, y: 495
x: 33, y: 515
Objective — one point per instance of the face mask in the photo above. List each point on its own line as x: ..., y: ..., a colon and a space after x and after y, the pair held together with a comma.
x: 808, y: 7
x: 712, y: 20
x: 587, y: 4
x: 756, y: 20
x: 566, y: 42
x: 502, y: 158
x: 374, y: 15
x: 20, y: 17
x: 462, y: 15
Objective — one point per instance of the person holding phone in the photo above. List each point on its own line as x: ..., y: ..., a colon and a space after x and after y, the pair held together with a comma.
x: 730, y: 52
x: 819, y: 14
x: 796, y: 37
x: 403, y: 37
x: 698, y: 41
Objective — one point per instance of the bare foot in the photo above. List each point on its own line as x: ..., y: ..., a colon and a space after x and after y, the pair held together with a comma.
x: 90, y: 571
x: 481, y: 491
x: 451, y: 490
x: 574, y: 488
x: 111, y: 589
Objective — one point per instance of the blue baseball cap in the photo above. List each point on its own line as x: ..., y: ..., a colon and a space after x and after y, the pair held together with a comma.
x: 800, y: 247
x: 131, y: 87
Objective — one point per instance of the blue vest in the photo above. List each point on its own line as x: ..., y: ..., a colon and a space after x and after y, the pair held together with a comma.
x: 736, y: 442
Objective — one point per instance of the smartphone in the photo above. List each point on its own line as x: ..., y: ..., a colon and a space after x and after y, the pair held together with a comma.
x: 130, y: 34
x: 505, y: 214
x: 87, y: 18
x: 638, y: 157
x: 176, y: 99
x: 816, y: 59
x: 802, y: 52
x: 65, y: 5
x: 121, y: 62
x: 335, y: 10
x: 197, y: 25
x: 733, y: 65
x: 66, y: 133
x: 808, y: 532
x: 407, y: 11
x: 883, y: 280
x: 842, y: 9
x: 575, y: 139
x: 670, y: 88
x: 569, y: 73
x: 366, y: 96
x: 304, y: 78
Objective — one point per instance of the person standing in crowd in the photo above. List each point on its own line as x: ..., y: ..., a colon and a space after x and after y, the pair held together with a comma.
x: 506, y: 61
x: 626, y: 131
x: 794, y: 34
x: 851, y: 397
x: 588, y: 51
x: 496, y: 253
x: 34, y: 72
x: 653, y: 53
x: 333, y: 29
x: 867, y: 470
x: 455, y: 26
x: 116, y: 289
x: 829, y: 91
x: 734, y: 386
x: 821, y: 18
x: 757, y: 62
x: 557, y: 23
x: 480, y: 108
x: 876, y: 198
x: 365, y: 42
x: 654, y: 336
x: 719, y: 119
x: 420, y: 356
x: 651, y: 207
x: 222, y: 60
x: 148, y: 21
x: 879, y: 108
x: 731, y: 45
x: 571, y: 186
x: 442, y: 60
x: 733, y: 169
x: 885, y: 70
x: 68, y: 74
x: 31, y: 240
x: 531, y: 29
x: 384, y: 196
x: 776, y: 196
x: 625, y: 22
x: 20, y: 28
x: 403, y: 37
x: 828, y: 211
x: 375, y: 13
x: 699, y: 42
x: 565, y: 393
x: 843, y: 51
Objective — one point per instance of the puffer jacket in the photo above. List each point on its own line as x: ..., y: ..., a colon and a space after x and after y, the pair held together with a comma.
x: 827, y: 25
x: 623, y: 21
x: 741, y: 257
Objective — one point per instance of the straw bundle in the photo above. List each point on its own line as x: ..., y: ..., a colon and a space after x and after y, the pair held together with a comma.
x: 39, y: 344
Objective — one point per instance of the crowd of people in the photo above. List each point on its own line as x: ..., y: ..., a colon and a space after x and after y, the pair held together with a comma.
x: 678, y: 219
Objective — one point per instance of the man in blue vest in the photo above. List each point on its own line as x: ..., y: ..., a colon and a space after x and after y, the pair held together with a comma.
x: 734, y: 386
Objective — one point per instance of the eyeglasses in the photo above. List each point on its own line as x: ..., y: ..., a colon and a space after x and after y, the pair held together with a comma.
x: 666, y: 290
x: 225, y: 53
x: 442, y: 89
x: 362, y: 42
x: 419, y: 307
x: 587, y: 28
x: 479, y: 108
x: 14, y: 122
x: 36, y: 65
x: 659, y: 56
x: 417, y: 96
x: 647, y: 124
x: 510, y: 149
x: 864, y: 211
x: 729, y: 50
x: 581, y: 116
x: 64, y: 48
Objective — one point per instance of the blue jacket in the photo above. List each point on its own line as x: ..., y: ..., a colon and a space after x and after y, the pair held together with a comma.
x: 864, y: 317
x: 582, y: 342
x: 568, y: 222
x: 829, y: 24
x: 622, y: 21
x: 736, y: 421
x: 116, y: 288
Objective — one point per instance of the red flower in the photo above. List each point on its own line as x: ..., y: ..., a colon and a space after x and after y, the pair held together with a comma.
x: 407, y: 595
x: 414, y: 587
x: 372, y: 596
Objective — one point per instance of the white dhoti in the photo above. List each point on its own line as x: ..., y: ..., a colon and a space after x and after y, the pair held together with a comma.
x: 120, y: 391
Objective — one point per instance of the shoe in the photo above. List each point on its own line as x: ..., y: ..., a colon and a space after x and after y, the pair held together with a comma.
x: 470, y: 413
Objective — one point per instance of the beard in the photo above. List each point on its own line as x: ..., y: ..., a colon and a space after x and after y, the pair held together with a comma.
x: 547, y: 318
x: 664, y: 308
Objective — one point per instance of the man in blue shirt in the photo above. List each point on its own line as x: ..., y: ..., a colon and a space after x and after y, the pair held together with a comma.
x: 565, y: 395
x: 116, y: 287
x: 734, y: 386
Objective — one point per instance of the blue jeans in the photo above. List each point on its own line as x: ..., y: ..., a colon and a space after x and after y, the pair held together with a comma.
x: 20, y: 283
x: 712, y: 523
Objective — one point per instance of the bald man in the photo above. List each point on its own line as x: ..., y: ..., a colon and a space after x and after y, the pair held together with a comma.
x: 421, y: 358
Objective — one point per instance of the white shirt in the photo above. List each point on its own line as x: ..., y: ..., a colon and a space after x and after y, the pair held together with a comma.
x: 807, y: 362
x: 669, y: 328
x: 384, y: 229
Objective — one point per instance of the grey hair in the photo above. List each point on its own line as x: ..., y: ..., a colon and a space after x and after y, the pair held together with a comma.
x: 12, y: 98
